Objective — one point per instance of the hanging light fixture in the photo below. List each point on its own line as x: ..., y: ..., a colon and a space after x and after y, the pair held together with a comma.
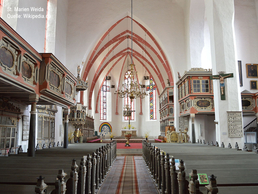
x: 131, y: 88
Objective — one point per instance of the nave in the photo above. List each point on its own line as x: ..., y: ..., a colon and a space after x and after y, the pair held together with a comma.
x: 236, y: 171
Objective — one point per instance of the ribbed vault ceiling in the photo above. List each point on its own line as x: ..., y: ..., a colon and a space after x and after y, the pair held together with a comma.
x: 111, y: 56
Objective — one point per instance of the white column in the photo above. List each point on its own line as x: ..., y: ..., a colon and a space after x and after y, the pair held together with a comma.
x: 220, y: 18
x: 51, y: 27
x: 196, y: 32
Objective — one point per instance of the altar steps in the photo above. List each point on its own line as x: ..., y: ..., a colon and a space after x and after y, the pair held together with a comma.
x: 123, y: 140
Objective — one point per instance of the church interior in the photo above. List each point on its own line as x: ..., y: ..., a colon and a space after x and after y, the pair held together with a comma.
x: 175, y: 73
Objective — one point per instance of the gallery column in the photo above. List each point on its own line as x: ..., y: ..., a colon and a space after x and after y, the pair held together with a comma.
x: 192, y: 116
x: 66, y: 121
x: 31, y: 147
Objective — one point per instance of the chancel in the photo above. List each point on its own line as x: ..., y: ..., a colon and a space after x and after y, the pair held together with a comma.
x: 176, y: 80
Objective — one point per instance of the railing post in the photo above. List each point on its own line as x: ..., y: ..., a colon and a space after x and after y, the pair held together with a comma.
x: 181, y: 178
x: 156, y: 167
x: 194, y: 183
x: 212, y: 187
x: 41, y: 187
x: 173, y: 175
x: 106, y: 160
x: 167, y: 173
x: 103, y: 162
x: 93, y: 173
x: 88, y: 181
x: 236, y: 146
x: 100, y: 165
x: 72, y: 182
x: 111, y: 155
x: 153, y: 162
x: 156, y: 164
x: 82, y: 176
x: 159, y: 169
x: 97, y: 168
x: 229, y: 146
x: 61, y: 179
x: 162, y: 173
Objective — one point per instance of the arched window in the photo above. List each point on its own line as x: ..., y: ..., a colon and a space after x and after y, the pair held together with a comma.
x: 127, y: 100
x: 152, y: 99
x: 104, y: 100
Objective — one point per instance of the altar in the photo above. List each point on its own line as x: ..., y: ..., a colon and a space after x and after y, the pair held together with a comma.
x: 133, y: 131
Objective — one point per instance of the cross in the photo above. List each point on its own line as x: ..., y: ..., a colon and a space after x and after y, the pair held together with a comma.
x: 221, y: 78
x: 128, y: 113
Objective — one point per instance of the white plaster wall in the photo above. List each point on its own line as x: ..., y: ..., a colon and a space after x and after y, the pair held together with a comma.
x: 204, y: 128
x: 8, y: 12
x: 199, y: 125
x: 247, y: 120
x: 246, y: 33
x: 33, y: 30
x: 210, y: 131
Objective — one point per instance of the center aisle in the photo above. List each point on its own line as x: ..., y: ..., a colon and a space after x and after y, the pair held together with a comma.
x: 128, y: 175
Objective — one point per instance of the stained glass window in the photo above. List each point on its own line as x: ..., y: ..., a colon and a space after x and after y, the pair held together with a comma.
x: 127, y: 100
x: 152, y: 95
x: 103, y: 101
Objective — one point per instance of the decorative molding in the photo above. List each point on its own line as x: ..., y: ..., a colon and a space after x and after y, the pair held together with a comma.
x: 248, y: 103
x: 235, y: 127
x: 25, y: 127
x: 9, y: 57
x: 6, y: 106
x: 188, y: 104
x: 183, y: 122
x: 28, y: 69
x: 8, y: 120
x: 202, y: 104
x: 69, y: 88
x: 55, y: 76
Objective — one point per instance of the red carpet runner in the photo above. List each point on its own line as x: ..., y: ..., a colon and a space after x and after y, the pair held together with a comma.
x: 128, y: 178
x: 133, y: 146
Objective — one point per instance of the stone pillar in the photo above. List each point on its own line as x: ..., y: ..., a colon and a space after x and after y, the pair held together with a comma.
x: 66, y: 120
x: 192, y: 116
x: 31, y: 147
x: 220, y: 19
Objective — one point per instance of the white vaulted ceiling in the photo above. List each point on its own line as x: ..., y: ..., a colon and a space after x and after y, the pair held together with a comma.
x: 101, y: 34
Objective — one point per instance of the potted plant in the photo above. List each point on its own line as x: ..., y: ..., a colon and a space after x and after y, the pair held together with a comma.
x: 111, y: 136
x: 146, y: 136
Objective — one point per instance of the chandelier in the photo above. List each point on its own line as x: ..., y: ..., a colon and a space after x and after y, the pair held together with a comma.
x: 131, y: 88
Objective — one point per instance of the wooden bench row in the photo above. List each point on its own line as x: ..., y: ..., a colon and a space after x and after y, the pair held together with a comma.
x: 85, y: 178
x: 168, y: 180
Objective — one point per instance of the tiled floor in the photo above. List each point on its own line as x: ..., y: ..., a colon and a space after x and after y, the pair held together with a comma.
x: 145, y: 183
